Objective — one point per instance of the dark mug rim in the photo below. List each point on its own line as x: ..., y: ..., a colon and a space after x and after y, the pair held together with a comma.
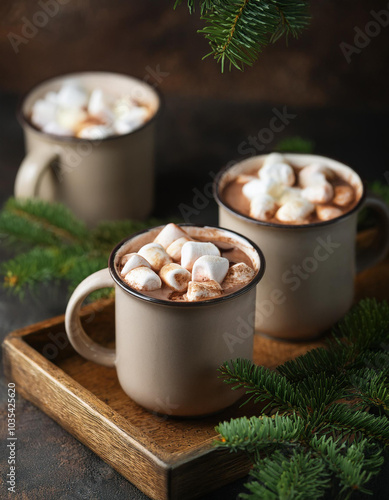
x: 247, y: 218
x: 24, y: 121
x: 203, y: 303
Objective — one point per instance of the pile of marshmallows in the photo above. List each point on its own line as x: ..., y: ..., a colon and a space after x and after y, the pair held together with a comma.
x: 272, y: 195
x: 73, y: 111
x: 183, y: 265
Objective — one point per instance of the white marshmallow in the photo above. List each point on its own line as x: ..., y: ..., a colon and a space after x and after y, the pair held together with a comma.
x: 210, y: 267
x: 143, y: 279
x: 192, y: 250
x: 262, y: 207
x: 205, y: 290
x: 344, y: 195
x: 327, y: 212
x: 94, y: 132
x: 238, y: 275
x: 70, y: 118
x: 273, y: 158
x: 131, y: 261
x: 280, y: 172
x: 174, y: 250
x: 169, y: 234
x: 43, y: 112
x: 295, y: 210
x: 261, y: 186
x: 98, y: 103
x: 131, y: 120
x: 318, y: 193
x: 289, y: 194
x: 54, y: 128
x: 72, y: 95
x: 175, y: 276
x: 156, y: 255
x: 52, y: 97
x: 314, y: 174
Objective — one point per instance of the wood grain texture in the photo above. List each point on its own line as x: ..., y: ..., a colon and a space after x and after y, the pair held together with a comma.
x: 162, y: 456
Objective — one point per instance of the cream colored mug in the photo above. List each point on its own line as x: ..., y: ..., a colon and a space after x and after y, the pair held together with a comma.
x: 168, y: 353
x: 110, y: 178
x: 310, y: 269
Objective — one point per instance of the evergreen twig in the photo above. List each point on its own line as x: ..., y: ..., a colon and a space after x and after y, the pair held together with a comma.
x: 331, y: 424
x: 238, y: 30
x: 55, y: 244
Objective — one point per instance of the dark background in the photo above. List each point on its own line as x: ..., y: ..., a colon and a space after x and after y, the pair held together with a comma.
x: 341, y: 106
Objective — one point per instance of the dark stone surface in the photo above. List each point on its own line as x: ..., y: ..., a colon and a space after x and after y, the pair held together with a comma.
x: 196, y: 137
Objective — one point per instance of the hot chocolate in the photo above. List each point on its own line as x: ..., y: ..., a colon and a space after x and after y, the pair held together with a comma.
x: 76, y: 111
x: 178, y: 267
x: 279, y: 192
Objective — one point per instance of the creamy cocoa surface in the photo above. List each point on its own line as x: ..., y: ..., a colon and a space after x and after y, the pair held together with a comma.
x: 227, y: 250
x: 233, y: 196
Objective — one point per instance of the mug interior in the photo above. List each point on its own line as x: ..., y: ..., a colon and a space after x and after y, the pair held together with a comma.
x: 113, y: 84
x: 202, y: 233
x: 299, y: 160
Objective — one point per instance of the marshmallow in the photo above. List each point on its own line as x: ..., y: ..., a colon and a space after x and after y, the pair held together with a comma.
x: 262, y: 186
x: 210, y: 268
x: 156, y: 255
x: 279, y: 172
x: 94, y: 132
x: 238, y: 275
x: 175, y: 276
x: 327, y: 212
x: 169, y: 234
x: 295, y: 210
x: 43, y: 112
x: 289, y: 194
x: 174, y: 250
x: 192, y: 250
x: 262, y: 207
x: 54, y: 128
x: 271, y: 159
x: 314, y: 174
x: 131, y: 120
x: 344, y: 195
x: 70, y: 118
x: 72, y: 95
x: 98, y: 104
x: 318, y: 193
x: 143, y: 279
x: 131, y: 261
x: 205, y: 290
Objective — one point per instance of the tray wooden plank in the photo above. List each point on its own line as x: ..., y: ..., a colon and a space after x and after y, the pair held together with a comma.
x: 164, y: 457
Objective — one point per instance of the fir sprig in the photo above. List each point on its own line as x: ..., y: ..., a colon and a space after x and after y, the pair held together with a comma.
x: 238, y: 30
x: 323, y: 417
x: 53, y: 245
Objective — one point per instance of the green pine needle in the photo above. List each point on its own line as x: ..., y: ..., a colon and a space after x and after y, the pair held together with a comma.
x: 239, y: 30
x: 332, y: 420
x: 53, y: 245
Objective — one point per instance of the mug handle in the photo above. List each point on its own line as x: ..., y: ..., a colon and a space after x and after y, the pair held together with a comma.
x: 79, y: 339
x: 377, y: 251
x: 31, y: 171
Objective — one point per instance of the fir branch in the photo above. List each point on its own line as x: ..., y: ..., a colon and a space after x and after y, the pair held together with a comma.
x: 59, y: 246
x: 41, y: 222
x: 258, y: 433
x: 238, y: 30
x: 261, y: 384
x: 343, y: 418
x: 300, y: 476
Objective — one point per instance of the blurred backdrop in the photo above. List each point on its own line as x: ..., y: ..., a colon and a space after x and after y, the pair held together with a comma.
x: 334, y: 79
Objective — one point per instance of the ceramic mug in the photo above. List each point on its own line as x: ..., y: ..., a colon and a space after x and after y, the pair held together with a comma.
x: 310, y: 271
x: 168, y: 353
x: 109, y: 178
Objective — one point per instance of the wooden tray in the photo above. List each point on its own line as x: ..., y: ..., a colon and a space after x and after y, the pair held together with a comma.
x: 163, y: 457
